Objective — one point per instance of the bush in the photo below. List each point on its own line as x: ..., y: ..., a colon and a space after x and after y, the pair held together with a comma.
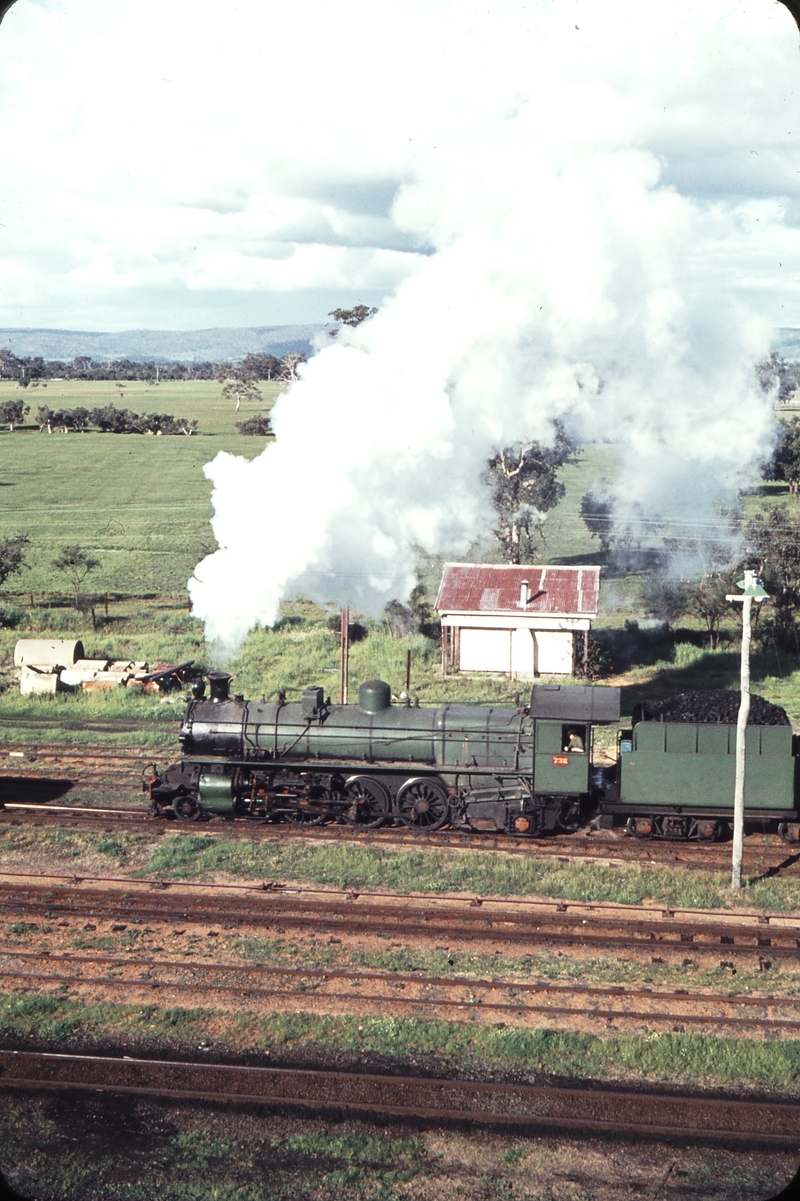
x: 256, y: 426
x: 356, y: 631
x: 617, y: 650
x: 10, y: 617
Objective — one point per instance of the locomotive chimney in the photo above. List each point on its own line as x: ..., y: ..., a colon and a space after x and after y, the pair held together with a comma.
x: 219, y: 681
x: 524, y: 594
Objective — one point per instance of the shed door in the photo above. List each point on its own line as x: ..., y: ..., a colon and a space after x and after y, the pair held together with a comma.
x: 553, y: 652
x: 485, y: 650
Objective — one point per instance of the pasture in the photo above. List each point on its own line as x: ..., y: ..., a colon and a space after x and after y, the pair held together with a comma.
x: 141, y: 505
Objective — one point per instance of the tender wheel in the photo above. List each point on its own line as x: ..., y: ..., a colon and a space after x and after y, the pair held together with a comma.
x: 640, y: 827
x: 422, y: 804
x: 187, y: 807
x: 311, y: 810
x: 369, y: 803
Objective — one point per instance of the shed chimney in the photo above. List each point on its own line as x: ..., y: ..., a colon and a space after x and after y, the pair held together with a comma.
x: 524, y: 594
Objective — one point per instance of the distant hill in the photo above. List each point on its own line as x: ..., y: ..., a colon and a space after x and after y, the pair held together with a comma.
x: 787, y: 343
x: 162, y: 345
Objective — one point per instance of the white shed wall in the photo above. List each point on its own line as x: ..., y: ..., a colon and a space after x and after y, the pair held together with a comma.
x: 521, y: 652
x: 553, y: 653
x: 485, y: 650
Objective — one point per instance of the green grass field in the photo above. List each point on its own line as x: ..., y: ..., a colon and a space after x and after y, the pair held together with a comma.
x: 141, y: 505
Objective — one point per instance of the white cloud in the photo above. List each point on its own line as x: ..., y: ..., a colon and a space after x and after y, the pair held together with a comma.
x: 264, y: 135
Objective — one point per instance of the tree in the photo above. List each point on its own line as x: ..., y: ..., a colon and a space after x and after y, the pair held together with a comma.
x: 350, y: 317
x: 182, y: 425
x: 111, y: 420
x: 80, y: 418
x: 12, y: 555
x: 258, y: 426
x: 775, y: 374
x: 773, y: 539
x: 708, y: 600
x: 290, y: 363
x: 76, y: 564
x: 261, y: 366
x: 524, y: 486
x: 597, y: 517
x: 785, y: 461
x: 64, y: 420
x: 13, y: 411
x: 240, y: 384
x: 399, y: 619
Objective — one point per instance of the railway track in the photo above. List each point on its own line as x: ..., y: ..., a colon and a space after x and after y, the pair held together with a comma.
x: 334, y: 989
x: 760, y: 859
x: 108, y: 725
x: 437, y: 1100
x: 478, y: 919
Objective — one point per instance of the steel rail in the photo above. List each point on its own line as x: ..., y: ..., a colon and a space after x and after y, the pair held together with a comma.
x: 604, y: 1111
x: 705, y: 857
x: 532, y: 904
x: 473, y: 1004
x: 413, y: 977
x: 76, y: 810
x: 336, y: 912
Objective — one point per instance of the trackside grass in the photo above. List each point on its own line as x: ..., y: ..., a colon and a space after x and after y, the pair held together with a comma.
x: 489, y: 874
x: 674, y: 1058
x: 202, y: 856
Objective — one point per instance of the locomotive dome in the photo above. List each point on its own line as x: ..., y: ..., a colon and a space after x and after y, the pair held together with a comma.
x: 374, y: 696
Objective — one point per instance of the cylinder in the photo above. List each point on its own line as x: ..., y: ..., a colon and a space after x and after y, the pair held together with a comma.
x: 48, y: 652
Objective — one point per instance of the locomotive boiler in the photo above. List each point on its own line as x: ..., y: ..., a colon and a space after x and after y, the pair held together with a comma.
x: 524, y: 770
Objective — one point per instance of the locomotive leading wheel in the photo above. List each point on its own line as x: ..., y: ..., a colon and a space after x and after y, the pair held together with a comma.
x: 187, y: 807
x: 369, y: 803
x: 422, y: 804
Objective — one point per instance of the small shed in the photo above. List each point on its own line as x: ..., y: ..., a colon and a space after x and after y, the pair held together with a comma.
x: 518, y: 621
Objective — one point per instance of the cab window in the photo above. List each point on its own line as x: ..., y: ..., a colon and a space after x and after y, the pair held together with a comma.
x: 573, y: 739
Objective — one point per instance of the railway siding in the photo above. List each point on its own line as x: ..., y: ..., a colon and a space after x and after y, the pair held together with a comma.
x: 595, y: 1109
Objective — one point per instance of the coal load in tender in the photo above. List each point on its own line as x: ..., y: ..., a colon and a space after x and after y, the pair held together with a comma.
x: 714, y: 704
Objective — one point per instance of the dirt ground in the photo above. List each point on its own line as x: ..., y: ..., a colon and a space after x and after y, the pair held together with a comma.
x: 84, y: 1147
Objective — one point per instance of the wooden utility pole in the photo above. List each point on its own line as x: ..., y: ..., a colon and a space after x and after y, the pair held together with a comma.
x: 344, y: 656
x: 752, y: 592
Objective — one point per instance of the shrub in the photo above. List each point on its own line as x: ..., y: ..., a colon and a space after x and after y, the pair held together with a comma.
x: 256, y: 426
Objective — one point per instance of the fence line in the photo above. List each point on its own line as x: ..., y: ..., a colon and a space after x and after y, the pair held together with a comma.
x: 39, y: 598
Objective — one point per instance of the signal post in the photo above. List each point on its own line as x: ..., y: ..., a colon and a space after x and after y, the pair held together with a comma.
x: 753, y: 591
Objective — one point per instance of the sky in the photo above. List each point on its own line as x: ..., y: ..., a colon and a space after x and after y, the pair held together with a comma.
x: 575, y: 211
x: 176, y: 165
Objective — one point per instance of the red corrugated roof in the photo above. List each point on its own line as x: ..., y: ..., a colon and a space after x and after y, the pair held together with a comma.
x: 477, y: 587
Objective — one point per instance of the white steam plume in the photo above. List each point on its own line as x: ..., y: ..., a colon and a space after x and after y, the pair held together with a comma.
x: 564, y: 279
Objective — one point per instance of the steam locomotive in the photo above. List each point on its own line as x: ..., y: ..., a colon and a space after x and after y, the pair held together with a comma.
x: 523, y: 770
